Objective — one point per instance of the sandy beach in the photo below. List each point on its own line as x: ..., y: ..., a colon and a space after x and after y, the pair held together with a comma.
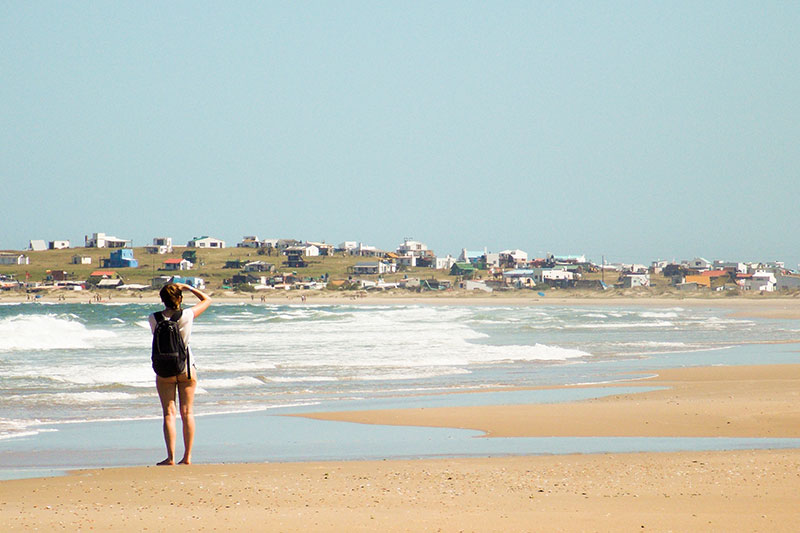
x: 728, y: 401
x: 722, y: 491
x: 749, y: 306
x: 687, y: 491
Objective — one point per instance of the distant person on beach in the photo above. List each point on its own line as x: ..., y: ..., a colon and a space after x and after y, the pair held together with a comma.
x: 186, y: 381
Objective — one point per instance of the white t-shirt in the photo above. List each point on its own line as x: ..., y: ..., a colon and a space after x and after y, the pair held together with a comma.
x: 184, y: 326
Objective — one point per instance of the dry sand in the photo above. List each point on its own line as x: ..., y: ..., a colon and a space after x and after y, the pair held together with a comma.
x: 724, y: 401
x: 688, y: 491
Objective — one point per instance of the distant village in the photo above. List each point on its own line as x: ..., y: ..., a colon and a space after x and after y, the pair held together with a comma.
x: 376, y: 269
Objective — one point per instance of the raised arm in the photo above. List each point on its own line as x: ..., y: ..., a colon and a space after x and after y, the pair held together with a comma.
x: 202, y: 305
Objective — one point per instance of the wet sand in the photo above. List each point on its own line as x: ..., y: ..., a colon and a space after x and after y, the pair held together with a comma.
x: 723, y: 401
x: 686, y: 491
x: 745, y: 306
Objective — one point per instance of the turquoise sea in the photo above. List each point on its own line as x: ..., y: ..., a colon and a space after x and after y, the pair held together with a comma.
x: 77, y: 390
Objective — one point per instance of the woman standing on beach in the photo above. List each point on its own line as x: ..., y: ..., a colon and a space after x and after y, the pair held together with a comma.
x: 185, y: 382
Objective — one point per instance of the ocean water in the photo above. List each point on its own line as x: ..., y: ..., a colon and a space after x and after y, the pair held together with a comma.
x: 63, y: 365
x: 81, y: 362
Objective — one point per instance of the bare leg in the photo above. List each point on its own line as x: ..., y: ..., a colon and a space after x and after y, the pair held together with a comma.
x: 166, y: 393
x: 186, y: 390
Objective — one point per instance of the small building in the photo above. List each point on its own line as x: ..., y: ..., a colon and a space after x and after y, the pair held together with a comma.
x: 37, y: 245
x: 58, y: 245
x: 306, y: 250
x: 411, y: 247
x: 177, y: 264
x: 14, y: 259
x: 57, y: 275
x: 101, y: 240
x: 108, y: 283
x: 161, y: 245
x: 474, y: 285
x: 759, y: 281
x: 520, y: 277
x: 631, y: 281
x: 206, y: 242
x: 159, y: 281
x: 122, y: 258
x: 99, y: 275
x: 786, y: 282
x: 554, y: 277
x: 81, y: 260
x: 259, y: 266
x: 249, y: 241
x: 700, y: 264
x: 712, y: 279
x: 197, y: 283
x: 324, y: 248
x: 512, y: 258
x: 492, y: 260
x: 236, y: 264
x: 408, y: 261
x: 444, y: 263
x: 348, y: 247
x: 376, y: 268
x: 249, y: 279
x: 463, y: 269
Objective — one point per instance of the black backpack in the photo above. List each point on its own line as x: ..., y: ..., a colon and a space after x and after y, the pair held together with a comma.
x: 170, y: 354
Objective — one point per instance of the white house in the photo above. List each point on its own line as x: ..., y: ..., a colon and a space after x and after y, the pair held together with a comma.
x: 636, y: 280
x: 37, y: 245
x: 444, y: 263
x: 205, y: 242
x: 407, y: 260
x: 760, y: 281
x: 513, y: 257
x: 178, y: 264
x: 411, y: 247
x: 101, y: 240
x: 161, y: 245
x: 249, y: 241
x: 698, y: 263
x: 324, y: 248
x: 349, y: 247
x: 378, y: 267
x: 552, y: 274
x: 14, y: 259
x: 521, y: 277
x: 58, y: 245
x: 81, y: 260
x: 307, y: 250
x: 475, y: 285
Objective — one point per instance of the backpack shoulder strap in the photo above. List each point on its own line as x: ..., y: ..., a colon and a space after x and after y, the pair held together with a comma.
x: 177, y: 315
x: 159, y: 316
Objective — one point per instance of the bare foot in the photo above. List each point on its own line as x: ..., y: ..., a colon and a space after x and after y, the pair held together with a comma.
x: 166, y: 462
x: 185, y: 462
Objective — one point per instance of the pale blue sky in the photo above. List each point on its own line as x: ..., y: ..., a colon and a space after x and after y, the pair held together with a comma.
x: 637, y: 130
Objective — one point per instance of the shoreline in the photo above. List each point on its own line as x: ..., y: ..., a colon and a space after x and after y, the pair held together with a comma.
x: 718, y: 401
x: 786, y: 307
x: 739, y: 490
